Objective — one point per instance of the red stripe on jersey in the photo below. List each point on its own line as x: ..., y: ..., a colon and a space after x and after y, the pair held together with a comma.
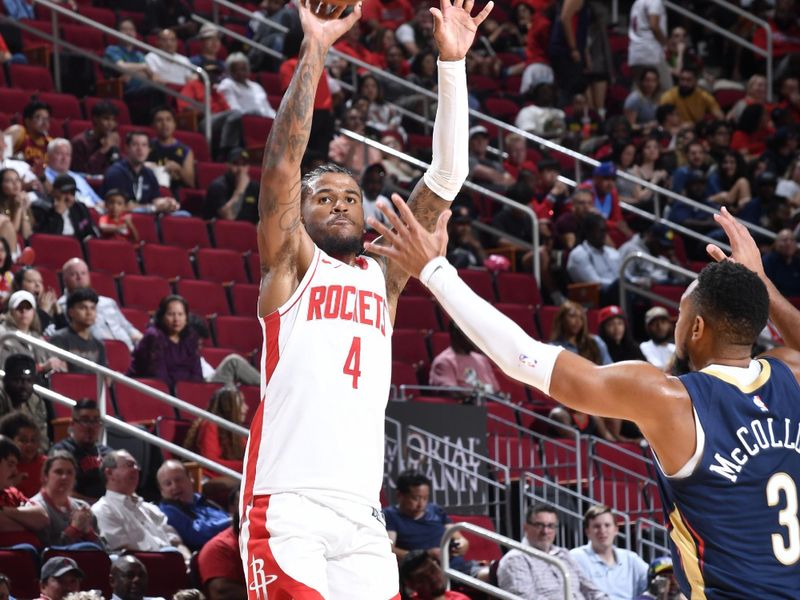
x: 265, y: 579
x: 701, y: 546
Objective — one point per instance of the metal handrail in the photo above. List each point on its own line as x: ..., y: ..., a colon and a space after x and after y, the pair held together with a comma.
x: 624, y: 285
x: 57, y: 9
x: 502, y: 541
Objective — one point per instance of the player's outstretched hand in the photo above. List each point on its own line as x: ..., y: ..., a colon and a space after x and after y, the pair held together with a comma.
x: 743, y: 246
x: 454, y: 29
x: 324, y: 26
x: 408, y: 244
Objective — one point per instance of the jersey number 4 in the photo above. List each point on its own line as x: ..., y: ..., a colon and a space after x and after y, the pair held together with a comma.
x: 788, y: 518
x: 352, y: 364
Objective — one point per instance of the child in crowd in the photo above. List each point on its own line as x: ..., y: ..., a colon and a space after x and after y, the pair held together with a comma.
x: 24, y: 432
x: 117, y: 223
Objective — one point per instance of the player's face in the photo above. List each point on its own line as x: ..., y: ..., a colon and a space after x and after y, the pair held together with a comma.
x: 414, y: 503
x: 333, y: 214
x: 601, y: 531
x: 683, y: 327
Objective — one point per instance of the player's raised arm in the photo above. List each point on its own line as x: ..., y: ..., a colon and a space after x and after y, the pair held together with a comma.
x: 285, y: 249
x: 454, y: 30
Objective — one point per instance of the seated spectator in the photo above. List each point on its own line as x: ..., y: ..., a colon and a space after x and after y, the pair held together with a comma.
x: 20, y: 518
x: 29, y: 178
x: 110, y: 323
x: 655, y: 241
x: 62, y: 214
x: 692, y: 102
x: 696, y: 218
x: 582, y: 123
x: 16, y: 218
x: 226, y: 123
x: 620, y: 573
x: 753, y: 129
x: 127, y: 521
x: 662, y: 584
x: 72, y: 524
x: 528, y: 577
x: 242, y: 94
x: 623, y: 157
x: 175, y: 157
x: 97, y: 148
x: 416, y: 34
x: 641, y: 104
x: 517, y: 160
x: 193, y: 516
x: 219, y: 563
x: 462, y: 365
x: 755, y: 93
x: 30, y: 280
x: 397, y: 65
x: 570, y: 223
x: 116, y: 223
x: 175, y: 71
x: 233, y: 369
x: 659, y: 349
x: 730, y: 178
x: 372, y: 187
x: 650, y: 167
x: 24, y: 432
x: 210, y: 46
x: 233, y: 196
x: 17, y: 393
x: 483, y: 169
x: 542, y: 117
x: 22, y: 317
x: 77, y: 336
x: 613, y: 330
x: 350, y: 44
x: 137, y: 181
x: 782, y: 264
x: 764, y: 197
x: 399, y: 172
x: 381, y: 116
x: 421, y: 576
x: 424, y: 73
x: 669, y: 125
x: 789, y: 184
x: 129, y: 579
x: 29, y: 140
x: 606, y: 196
x: 83, y: 443
x: 592, y: 261
x: 58, y: 161
x: 415, y: 523
x: 59, y: 576
x: 349, y: 153
x: 464, y: 250
x: 789, y: 97
x: 718, y: 138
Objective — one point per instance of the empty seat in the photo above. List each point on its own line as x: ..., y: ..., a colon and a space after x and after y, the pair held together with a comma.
x: 137, y: 317
x: 243, y: 334
x: 23, y: 569
x: 84, y: 37
x: 409, y: 346
x: 49, y: 278
x: 504, y: 419
x: 101, y: 15
x: 75, y: 386
x: 517, y: 452
x: 480, y: 282
x: 204, y: 297
x: 245, y: 299
x: 52, y: 251
x: 440, y: 341
x: 253, y: 263
x: 143, y: 291
x: 197, y: 393
x: 516, y: 391
x: 620, y: 460
x: 186, y: 232
x: 134, y: 406
x: 547, y: 315
x: 518, y: 288
x: 271, y: 82
x: 14, y: 101
x: 112, y: 256
x: 172, y: 430
x: 214, y: 356
x: 403, y: 374
x: 104, y: 285
x: 206, y: 172
x: 166, y: 572
x: 146, y: 226
x: 166, y: 261
x: 521, y: 315
x: 235, y: 235
x: 30, y: 77
x: 255, y: 130
x: 197, y: 142
x: 64, y: 106
x: 117, y: 355
x: 224, y: 266
x: 416, y: 313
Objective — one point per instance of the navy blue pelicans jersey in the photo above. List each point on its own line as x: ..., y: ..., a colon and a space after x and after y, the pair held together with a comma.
x: 733, y: 521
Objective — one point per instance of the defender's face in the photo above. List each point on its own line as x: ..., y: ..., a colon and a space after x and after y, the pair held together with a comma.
x: 333, y: 214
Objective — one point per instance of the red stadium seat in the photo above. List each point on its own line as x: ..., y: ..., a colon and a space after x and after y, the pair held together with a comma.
x: 480, y: 282
x: 546, y: 314
x: 95, y: 564
x: 75, y: 127
x: 440, y: 341
x: 224, y: 266
x: 518, y: 452
x: 403, y: 374
x: 625, y: 455
x: 101, y: 15
x: 516, y: 391
x: 49, y: 279
x: 505, y: 421
x: 52, y: 251
x: 501, y: 108
x: 117, y: 355
x: 521, y: 315
x: 14, y: 101
x: 172, y: 430
x: 104, y: 285
x: 214, y: 356
x: 409, y: 346
x: 255, y: 131
x: 253, y: 267
x: 134, y: 406
x: 30, y: 77
x: 112, y: 256
x: 23, y: 570
x: 206, y: 172
x: 197, y: 393
x: 252, y: 398
x: 518, y: 288
x: 197, y: 142
x: 166, y: 572
x: 235, y: 235
x: 143, y: 291
x: 75, y: 386
x: 245, y: 299
x: 64, y: 106
x: 204, y: 297
x: 186, y: 232
x: 560, y: 460
x: 243, y: 334
x: 271, y: 82
x: 479, y: 548
x: 137, y: 317
x: 85, y: 37
x: 146, y: 226
x: 166, y: 261
x: 416, y: 313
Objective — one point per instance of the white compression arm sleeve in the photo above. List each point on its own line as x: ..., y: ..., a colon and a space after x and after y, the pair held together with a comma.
x: 450, y: 165
x: 503, y: 341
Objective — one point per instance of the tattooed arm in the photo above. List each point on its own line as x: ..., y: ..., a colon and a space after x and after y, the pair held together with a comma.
x: 285, y: 249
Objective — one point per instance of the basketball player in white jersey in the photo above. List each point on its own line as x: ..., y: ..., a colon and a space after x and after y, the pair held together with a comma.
x: 311, y: 524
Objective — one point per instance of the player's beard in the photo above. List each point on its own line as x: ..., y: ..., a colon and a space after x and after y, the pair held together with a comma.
x: 338, y: 245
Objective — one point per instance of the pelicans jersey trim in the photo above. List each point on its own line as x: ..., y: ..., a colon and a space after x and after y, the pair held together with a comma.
x: 690, y: 546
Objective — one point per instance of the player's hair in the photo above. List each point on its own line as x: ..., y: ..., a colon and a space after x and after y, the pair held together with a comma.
x: 408, y: 479
x: 8, y: 448
x: 535, y: 509
x: 413, y: 561
x: 14, y: 421
x: 55, y: 455
x: 307, y: 183
x: 593, y: 512
x: 733, y: 300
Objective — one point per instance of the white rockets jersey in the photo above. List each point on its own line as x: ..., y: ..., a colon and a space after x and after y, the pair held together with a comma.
x: 325, y: 379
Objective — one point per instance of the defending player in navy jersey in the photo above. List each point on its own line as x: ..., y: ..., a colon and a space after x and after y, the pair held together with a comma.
x: 726, y: 437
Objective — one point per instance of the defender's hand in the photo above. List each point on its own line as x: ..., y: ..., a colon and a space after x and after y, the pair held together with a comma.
x: 409, y: 245
x: 743, y: 247
x: 454, y: 29
x: 326, y: 30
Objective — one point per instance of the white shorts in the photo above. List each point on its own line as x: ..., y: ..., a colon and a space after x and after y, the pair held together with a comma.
x: 294, y: 547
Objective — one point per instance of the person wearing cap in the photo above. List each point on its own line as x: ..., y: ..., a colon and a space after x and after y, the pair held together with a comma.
x: 58, y: 162
x: 62, y: 214
x: 170, y: 153
x: 655, y: 241
x: 242, y: 94
x: 661, y: 582
x: 17, y: 392
x: 20, y: 519
x: 464, y: 249
x: 22, y: 317
x: 483, y: 169
x: 659, y: 349
x: 60, y: 575
x: 233, y: 196
x: 210, y: 45
x: 176, y: 71
x: 97, y: 148
x: 592, y: 261
x: 77, y: 337
x: 782, y: 263
x: 613, y: 330
x: 606, y: 196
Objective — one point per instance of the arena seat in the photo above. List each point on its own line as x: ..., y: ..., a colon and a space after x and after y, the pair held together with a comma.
x: 170, y: 262
x: 408, y: 345
x: 186, y: 232
x: 134, y: 406
x: 95, y: 564
x: 74, y: 127
x: 197, y: 393
x: 52, y: 251
x: 14, y: 101
x: 518, y: 452
x: 559, y: 459
x: 23, y: 571
x: 245, y: 299
x: 204, y: 297
x: 166, y: 572
x: 172, y: 430
x: 546, y: 315
x: 104, y: 285
x: 403, y: 374
x: 518, y: 288
x: 619, y: 454
x: 439, y: 342
x: 197, y: 142
x: 117, y: 355
x: 243, y: 334
x: 521, y: 315
x: 253, y: 264
x: 479, y: 548
x: 213, y: 356
x: 112, y: 256
x: 517, y: 392
x: 271, y: 82
x: 206, y: 172
x: 101, y: 15
x: 255, y: 130
x: 416, y: 313
x: 146, y: 227
x: 64, y: 106
x: 30, y: 77
x: 480, y: 282
x: 49, y: 278
x: 85, y: 37
x: 501, y: 108
x: 143, y: 291
x: 235, y: 235
x: 75, y: 386
x: 507, y: 415
x: 137, y: 317
x: 223, y: 266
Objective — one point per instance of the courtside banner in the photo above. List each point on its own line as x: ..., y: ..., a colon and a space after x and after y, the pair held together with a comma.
x: 442, y: 441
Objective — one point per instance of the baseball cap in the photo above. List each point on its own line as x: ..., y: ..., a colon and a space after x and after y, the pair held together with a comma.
x: 208, y: 30
x: 65, y: 183
x: 663, y: 235
x: 605, y: 169
x: 609, y: 312
x: 19, y: 297
x: 237, y: 154
x: 657, y: 312
x: 478, y: 130
x: 658, y: 566
x: 18, y: 365
x: 58, y: 566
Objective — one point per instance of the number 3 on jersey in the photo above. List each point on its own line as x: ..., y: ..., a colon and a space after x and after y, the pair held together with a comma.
x: 781, y: 482
x: 352, y: 364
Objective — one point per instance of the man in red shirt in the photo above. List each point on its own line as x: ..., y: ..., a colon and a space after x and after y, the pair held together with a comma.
x: 20, y: 519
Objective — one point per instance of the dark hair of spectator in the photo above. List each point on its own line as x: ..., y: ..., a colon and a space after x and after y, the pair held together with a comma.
x: 81, y: 295
x: 644, y: 73
x: 364, y: 78
x: 8, y: 448
x: 663, y: 111
x: 2, y: 177
x: 84, y: 404
x: 625, y: 349
x: 691, y: 70
x: 306, y: 188
x: 535, y: 509
x: 104, y: 108
x: 750, y: 119
x: 225, y: 403
x: 733, y: 300
x: 19, y: 276
x: 199, y: 325
x: 617, y: 151
x: 419, y: 60
x: 11, y: 424
x: 8, y: 262
x: 160, y: 109
x: 31, y: 108
x: 137, y: 132
x: 726, y: 182
x: 593, y: 512
x: 163, y: 306
x: 412, y: 561
x: 584, y: 342
x: 55, y: 455
x: 408, y: 479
